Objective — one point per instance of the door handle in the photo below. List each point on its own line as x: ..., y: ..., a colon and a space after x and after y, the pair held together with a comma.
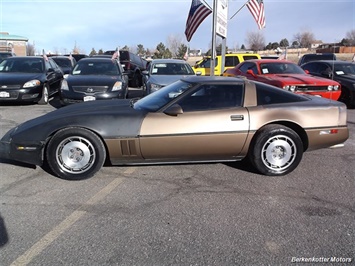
x: 237, y: 117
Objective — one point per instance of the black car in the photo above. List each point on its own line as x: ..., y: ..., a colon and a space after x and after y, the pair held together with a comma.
x: 314, y: 57
x: 4, y: 55
x: 94, y: 78
x: 29, y: 79
x: 66, y: 63
x: 133, y: 65
x: 340, y: 71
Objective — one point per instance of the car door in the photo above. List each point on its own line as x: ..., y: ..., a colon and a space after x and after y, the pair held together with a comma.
x: 213, y: 126
x: 54, y: 76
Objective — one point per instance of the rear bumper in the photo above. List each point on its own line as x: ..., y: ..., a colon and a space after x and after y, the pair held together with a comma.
x: 327, y: 137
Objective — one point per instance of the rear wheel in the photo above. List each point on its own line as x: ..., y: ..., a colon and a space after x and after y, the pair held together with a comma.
x: 276, y: 150
x: 75, y: 153
x: 45, y: 96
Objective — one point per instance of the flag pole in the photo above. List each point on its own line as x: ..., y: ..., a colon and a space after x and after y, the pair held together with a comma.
x: 213, y: 50
x: 239, y: 9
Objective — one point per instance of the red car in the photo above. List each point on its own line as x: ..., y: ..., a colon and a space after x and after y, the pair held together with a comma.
x: 286, y: 75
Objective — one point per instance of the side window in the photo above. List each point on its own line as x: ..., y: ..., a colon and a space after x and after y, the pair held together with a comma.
x: 248, y: 57
x: 212, y: 97
x: 246, y: 66
x: 231, y: 61
x: 53, y: 64
x: 48, y: 66
x: 267, y: 94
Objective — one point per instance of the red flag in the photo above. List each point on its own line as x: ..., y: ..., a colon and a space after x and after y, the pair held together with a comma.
x: 256, y: 7
x: 198, y: 12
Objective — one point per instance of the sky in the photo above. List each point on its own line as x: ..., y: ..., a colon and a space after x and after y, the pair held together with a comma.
x: 59, y: 26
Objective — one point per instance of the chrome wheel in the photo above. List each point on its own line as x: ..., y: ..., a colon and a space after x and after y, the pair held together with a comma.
x: 278, y: 153
x: 276, y: 150
x: 75, y: 155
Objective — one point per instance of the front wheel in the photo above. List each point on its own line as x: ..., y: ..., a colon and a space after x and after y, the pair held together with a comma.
x: 75, y: 153
x: 45, y: 96
x: 276, y: 150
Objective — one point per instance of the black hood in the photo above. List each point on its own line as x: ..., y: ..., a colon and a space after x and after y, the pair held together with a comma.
x: 19, y: 78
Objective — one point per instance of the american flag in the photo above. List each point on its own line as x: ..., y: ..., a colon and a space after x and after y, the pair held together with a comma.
x: 256, y: 7
x: 198, y: 12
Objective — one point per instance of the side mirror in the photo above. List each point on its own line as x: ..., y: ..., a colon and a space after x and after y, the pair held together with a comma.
x: 250, y: 72
x: 174, y: 110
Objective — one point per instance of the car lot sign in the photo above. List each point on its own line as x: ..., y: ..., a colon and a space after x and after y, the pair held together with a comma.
x: 222, y: 18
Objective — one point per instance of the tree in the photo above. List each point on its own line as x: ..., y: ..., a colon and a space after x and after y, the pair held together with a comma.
x: 284, y: 43
x: 350, y: 36
x: 181, y: 51
x: 174, y: 42
x: 126, y: 48
x: 140, y: 50
x: 255, y: 40
x: 162, y: 52
x: 242, y: 47
x: 305, y: 38
x: 30, y: 49
x: 93, y: 52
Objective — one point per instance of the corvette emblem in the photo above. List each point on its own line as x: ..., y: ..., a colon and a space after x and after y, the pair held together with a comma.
x: 90, y: 90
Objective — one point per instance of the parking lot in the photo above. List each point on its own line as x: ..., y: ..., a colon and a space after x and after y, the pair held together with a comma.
x: 190, y: 214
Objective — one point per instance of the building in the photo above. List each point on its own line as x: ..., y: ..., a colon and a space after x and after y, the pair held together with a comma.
x: 13, y: 43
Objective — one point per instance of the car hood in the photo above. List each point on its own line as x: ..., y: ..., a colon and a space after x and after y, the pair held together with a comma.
x: 106, y: 117
x: 299, y: 79
x: 164, y: 80
x: 19, y: 78
x: 346, y: 77
x: 92, y: 80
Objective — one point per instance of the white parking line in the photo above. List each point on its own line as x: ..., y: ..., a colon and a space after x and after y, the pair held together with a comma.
x: 51, y: 236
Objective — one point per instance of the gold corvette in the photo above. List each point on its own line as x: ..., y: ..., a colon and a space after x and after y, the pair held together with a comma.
x: 197, y: 119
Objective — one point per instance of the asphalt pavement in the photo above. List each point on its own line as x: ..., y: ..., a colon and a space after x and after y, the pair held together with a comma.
x: 190, y: 214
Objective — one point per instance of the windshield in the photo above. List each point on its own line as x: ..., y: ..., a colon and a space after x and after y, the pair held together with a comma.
x: 171, y: 69
x: 96, y: 68
x: 280, y: 68
x: 22, y: 65
x: 206, y: 63
x: 345, y: 69
x: 63, y: 62
x: 160, y: 98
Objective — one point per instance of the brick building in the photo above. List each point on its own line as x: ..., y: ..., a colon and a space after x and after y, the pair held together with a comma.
x: 13, y: 43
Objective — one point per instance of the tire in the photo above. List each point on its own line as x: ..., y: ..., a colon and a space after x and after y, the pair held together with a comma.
x: 75, y: 153
x: 135, y: 83
x: 348, y: 97
x: 276, y: 150
x: 45, y: 96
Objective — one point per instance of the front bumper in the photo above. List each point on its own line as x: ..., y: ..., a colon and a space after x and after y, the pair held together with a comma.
x: 69, y: 97
x: 30, y: 153
x: 21, y: 95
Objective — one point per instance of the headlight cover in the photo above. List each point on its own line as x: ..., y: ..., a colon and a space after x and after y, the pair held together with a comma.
x: 155, y: 87
x: 32, y: 83
x: 64, y: 86
x: 117, y: 86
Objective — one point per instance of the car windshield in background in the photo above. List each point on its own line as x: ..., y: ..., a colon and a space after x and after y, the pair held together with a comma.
x: 280, y: 68
x: 28, y: 65
x: 171, y: 69
x: 345, y: 69
x: 63, y: 62
x: 153, y: 102
x: 95, y: 68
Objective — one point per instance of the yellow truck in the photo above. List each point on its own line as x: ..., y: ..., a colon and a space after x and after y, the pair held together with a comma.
x: 202, y: 67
